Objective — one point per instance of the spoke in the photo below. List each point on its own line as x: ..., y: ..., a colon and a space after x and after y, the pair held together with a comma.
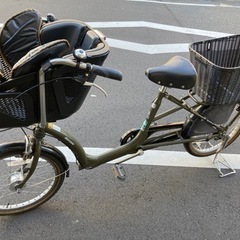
x: 28, y: 191
x: 5, y: 186
x: 7, y: 194
x: 47, y: 179
x: 205, y: 145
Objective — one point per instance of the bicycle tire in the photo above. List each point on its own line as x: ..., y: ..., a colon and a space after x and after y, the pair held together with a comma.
x: 208, y: 148
x: 42, y: 185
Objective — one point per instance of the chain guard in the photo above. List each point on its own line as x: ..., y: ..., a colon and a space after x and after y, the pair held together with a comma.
x: 129, y: 136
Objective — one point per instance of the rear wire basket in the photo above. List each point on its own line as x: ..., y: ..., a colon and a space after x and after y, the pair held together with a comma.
x: 217, y: 63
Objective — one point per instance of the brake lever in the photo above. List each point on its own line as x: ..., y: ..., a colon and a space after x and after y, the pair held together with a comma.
x: 89, y: 84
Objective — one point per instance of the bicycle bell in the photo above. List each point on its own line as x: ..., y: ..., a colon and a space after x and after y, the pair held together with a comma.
x: 79, y: 54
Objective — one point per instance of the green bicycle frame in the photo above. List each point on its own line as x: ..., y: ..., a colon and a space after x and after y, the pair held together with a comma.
x: 90, y: 161
x: 137, y: 143
x: 133, y: 147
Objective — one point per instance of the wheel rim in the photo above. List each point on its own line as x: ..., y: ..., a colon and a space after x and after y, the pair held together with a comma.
x: 206, y: 147
x: 36, y: 188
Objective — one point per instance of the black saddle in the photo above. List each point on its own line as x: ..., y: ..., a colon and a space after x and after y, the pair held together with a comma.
x: 178, y: 72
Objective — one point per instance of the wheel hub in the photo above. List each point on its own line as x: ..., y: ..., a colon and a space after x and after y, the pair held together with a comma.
x: 15, y: 179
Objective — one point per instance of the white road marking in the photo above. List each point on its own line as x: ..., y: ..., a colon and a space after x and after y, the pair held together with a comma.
x: 186, y: 4
x: 153, y: 48
x: 148, y: 49
x: 159, y: 26
x: 163, y: 158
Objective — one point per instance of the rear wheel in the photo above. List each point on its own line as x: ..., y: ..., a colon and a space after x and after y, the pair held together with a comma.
x: 206, y: 148
x: 42, y: 185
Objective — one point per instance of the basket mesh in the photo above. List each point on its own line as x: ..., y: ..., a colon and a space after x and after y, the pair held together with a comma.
x: 13, y: 107
x: 217, y: 63
x: 5, y: 69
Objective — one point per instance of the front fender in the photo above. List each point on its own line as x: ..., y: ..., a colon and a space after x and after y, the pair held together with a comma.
x: 20, y: 146
x: 58, y: 154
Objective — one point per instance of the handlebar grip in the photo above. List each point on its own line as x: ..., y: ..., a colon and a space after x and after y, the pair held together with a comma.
x: 106, y: 72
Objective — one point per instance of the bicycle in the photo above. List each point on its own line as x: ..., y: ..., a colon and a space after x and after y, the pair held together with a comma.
x: 51, y: 81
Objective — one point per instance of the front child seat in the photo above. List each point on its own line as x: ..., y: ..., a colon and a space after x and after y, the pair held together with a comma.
x: 71, y: 30
x: 27, y: 41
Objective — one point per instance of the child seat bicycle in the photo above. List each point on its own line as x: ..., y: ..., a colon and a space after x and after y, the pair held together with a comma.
x: 46, y: 76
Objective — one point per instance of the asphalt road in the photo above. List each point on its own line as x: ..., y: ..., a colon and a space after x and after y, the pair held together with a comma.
x: 154, y: 202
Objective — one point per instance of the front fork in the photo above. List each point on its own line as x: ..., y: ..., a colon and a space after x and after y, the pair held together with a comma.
x: 32, y: 145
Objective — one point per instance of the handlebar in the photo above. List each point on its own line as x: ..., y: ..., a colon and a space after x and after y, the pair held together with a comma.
x: 106, y: 72
x: 98, y: 70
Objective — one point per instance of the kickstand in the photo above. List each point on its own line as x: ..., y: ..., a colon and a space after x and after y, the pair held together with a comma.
x: 221, y: 163
x: 223, y: 166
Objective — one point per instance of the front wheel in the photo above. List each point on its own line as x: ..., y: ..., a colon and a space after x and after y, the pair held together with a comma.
x: 206, y: 148
x: 42, y: 185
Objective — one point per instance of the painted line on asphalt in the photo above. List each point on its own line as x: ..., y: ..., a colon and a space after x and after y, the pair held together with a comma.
x: 159, y: 26
x: 163, y: 158
x: 186, y: 4
x: 153, y: 48
x: 148, y: 49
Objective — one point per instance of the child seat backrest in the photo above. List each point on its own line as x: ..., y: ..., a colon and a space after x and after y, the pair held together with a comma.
x: 71, y: 30
x: 77, y: 33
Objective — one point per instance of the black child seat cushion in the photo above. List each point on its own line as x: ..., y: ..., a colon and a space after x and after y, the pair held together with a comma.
x: 34, y: 58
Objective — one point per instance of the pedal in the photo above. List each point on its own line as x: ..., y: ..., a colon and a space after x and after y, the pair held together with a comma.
x: 119, y: 172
